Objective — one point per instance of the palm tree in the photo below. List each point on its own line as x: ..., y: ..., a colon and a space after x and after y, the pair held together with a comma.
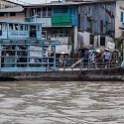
x: 119, y: 46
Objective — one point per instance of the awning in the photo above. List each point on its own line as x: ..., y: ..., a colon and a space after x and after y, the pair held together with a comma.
x: 13, y: 9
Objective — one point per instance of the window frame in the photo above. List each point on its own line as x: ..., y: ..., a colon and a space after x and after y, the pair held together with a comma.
x: 12, y: 13
x: 101, y: 42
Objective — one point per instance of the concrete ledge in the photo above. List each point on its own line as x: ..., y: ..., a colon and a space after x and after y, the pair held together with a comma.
x: 76, y: 75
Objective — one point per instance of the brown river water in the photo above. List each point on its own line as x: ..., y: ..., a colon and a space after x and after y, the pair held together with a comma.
x: 37, y: 102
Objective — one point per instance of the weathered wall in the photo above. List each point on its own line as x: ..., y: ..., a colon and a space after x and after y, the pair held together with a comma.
x: 105, y: 74
x: 84, y: 39
x: 118, y: 23
x: 18, y: 18
x: 97, y: 12
x: 63, y: 48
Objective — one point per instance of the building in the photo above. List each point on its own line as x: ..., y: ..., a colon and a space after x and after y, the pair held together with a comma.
x: 101, y: 22
x: 7, y: 4
x: 60, y: 23
x: 10, y: 11
x: 93, y: 23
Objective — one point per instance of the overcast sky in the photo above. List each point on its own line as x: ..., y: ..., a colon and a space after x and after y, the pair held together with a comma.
x: 34, y: 1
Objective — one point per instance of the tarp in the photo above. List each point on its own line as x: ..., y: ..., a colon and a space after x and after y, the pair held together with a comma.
x: 110, y: 46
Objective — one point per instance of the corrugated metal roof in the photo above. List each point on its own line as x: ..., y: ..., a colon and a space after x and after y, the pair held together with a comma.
x: 9, y: 1
x: 67, y: 3
x: 13, y: 9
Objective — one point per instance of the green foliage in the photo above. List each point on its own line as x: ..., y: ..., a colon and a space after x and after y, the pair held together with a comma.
x: 118, y: 43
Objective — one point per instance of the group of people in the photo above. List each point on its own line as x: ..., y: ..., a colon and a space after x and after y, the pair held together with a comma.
x: 97, y: 58
x: 91, y: 58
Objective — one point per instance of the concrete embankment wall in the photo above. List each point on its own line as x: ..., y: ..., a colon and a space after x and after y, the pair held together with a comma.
x: 87, y: 75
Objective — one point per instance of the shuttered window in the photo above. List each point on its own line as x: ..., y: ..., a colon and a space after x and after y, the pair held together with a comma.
x: 101, y: 26
x: 1, y: 14
x: 91, y: 40
x: 121, y: 16
x: 102, y: 41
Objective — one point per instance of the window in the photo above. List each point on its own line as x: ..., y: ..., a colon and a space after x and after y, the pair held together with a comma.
x: 1, y: 14
x: 79, y: 23
x: 26, y: 27
x: 44, y: 12
x: 21, y: 27
x: 89, y: 25
x: 122, y: 15
x: 101, y: 26
x: 16, y: 26
x: 12, y: 14
x: 62, y: 9
x: 38, y: 11
x: 91, y: 40
x: 60, y: 33
x: 10, y: 26
x: 49, y: 11
x: 102, y: 41
x: 55, y: 33
x: 44, y: 34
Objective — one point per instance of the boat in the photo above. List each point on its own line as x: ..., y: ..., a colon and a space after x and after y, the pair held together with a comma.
x: 22, y: 48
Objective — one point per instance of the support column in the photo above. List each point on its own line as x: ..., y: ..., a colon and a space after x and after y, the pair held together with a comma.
x: 54, y: 55
x: 0, y: 55
x: 16, y: 56
x: 123, y: 50
x: 75, y: 38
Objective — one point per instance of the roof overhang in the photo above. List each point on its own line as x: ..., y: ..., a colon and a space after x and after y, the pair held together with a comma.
x: 24, y: 23
x: 66, y: 3
x: 13, y: 9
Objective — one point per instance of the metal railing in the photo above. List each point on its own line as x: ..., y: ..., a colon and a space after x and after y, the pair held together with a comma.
x: 76, y: 63
x: 68, y: 64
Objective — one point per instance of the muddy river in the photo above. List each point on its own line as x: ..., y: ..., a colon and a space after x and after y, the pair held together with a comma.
x: 61, y: 102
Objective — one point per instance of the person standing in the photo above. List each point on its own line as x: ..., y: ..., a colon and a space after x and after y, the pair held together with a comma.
x: 86, y: 57
x: 62, y: 59
x: 107, y: 57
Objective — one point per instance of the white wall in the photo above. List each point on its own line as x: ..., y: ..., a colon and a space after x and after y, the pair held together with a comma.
x: 63, y: 48
x: 62, y: 40
x: 85, y: 39
x: 108, y: 39
x: 46, y: 21
x: 118, y: 24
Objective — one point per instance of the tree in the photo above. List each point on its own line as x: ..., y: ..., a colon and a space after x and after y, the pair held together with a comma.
x: 119, y: 45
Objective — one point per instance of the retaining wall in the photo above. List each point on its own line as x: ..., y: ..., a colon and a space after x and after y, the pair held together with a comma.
x: 105, y: 74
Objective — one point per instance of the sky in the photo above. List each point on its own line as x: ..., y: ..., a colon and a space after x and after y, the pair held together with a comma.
x: 34, y: 1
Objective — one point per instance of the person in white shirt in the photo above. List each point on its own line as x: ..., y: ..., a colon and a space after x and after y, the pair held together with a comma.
x: 107, y: 57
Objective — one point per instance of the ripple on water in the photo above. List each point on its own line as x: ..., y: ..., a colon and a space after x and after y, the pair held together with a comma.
x: 62, y: 102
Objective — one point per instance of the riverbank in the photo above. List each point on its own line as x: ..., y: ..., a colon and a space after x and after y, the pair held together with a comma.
x: 115, y: 74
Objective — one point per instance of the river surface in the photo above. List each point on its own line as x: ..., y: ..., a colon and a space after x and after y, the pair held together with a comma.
x: 40, y: 102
